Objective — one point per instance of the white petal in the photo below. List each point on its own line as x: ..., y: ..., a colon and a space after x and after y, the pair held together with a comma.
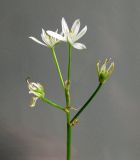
x: 56, y: 35
x: 34, y: 85
x: 103, y: 68
x: 79, y: 46
x: 82, y: 32
x: 75, y: 27
x: 45, y: 38
x: 98, y: 67
x: 39, y: 86
x: 33, y: 101
x: 36, y: 40
x: 56, y: 30
x: 65, y: 28
x: 111, y: 68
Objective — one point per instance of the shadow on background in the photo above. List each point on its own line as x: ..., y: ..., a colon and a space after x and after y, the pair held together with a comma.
x: 18, y: 144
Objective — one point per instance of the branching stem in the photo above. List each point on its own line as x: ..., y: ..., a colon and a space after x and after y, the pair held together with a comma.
x: 87, y: 102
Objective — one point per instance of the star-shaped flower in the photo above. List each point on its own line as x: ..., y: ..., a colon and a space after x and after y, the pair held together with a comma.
x: 71, y: 35
x: 48, y: 40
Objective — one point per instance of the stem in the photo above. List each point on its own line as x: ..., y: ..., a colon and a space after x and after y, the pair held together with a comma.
x: 67, y: 109
x: 85, y: 105
x: 57, y: 66
x: 69, y: 127
x: 69, y: 62
x: 52, y: 103
x: 69, y: 136
x: 67, y: 93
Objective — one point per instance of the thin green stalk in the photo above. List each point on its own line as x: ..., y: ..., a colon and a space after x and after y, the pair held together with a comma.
x: 58, y: 68
x: 52, y: 103
x: 69, y: 136
x: 69, y: 61
x: 87, y: 102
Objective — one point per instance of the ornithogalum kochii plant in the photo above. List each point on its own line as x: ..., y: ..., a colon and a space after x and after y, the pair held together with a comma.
x: 70, y: 36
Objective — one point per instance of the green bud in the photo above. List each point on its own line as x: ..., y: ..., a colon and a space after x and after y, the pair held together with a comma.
x: 103, y: 71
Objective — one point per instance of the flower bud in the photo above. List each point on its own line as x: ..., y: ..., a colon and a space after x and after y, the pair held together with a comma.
x: 37, y: 90
x: 103, y: 71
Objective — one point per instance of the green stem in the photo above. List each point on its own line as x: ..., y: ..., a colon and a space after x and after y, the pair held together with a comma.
x: 87, y: 102
x: 67, y: 109
x: 69, y: 136
x: 67, y: 93
x: 52, y: 103
x: 58, y: 68
x: 69, y: 127
x: 69, y: 62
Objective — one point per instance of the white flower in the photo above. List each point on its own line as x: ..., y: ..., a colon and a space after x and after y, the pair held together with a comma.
x: 48, y: 40
x: 104, y: 72
x: 37, y: 90
x: 71, y: 35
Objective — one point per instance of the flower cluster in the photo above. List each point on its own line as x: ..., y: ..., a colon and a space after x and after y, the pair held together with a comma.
x: 70, y: 36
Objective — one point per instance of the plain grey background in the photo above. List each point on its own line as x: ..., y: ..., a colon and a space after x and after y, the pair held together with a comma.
x: 110, y: 128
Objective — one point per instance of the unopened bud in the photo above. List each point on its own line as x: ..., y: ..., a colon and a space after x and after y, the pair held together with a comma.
x: 104, y: 72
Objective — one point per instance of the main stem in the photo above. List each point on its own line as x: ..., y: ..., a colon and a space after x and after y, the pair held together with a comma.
x: 69, y: 136
x: 67, y: 95
x: 69, y: 126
